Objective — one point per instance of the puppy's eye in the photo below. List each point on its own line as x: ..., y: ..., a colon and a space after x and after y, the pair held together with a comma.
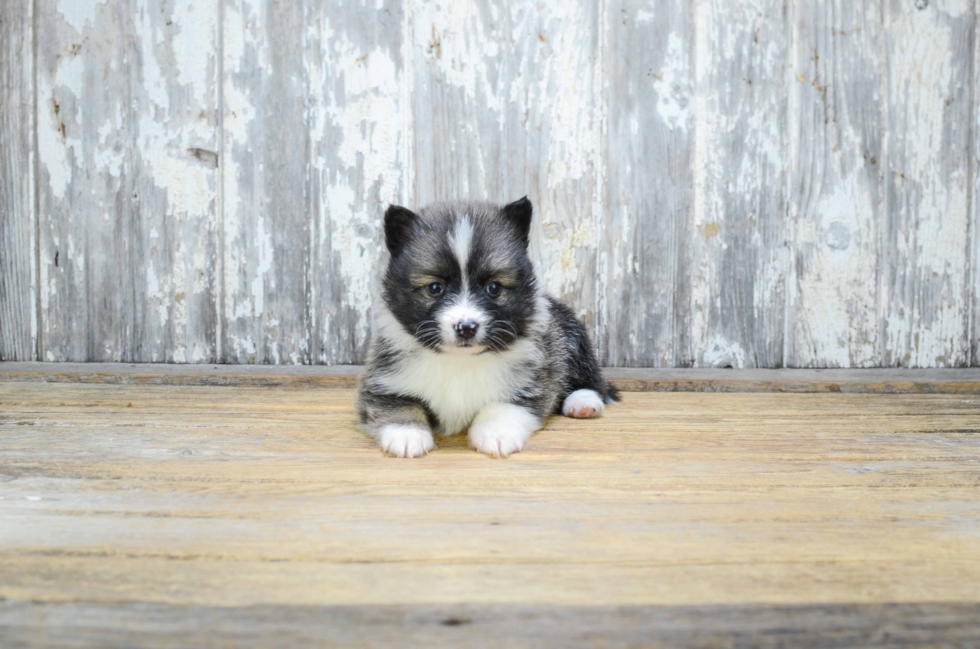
x: 435, y: 289
x: 493, y: 289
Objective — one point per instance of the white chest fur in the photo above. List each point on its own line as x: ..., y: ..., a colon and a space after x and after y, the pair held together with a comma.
x: 457, y: 387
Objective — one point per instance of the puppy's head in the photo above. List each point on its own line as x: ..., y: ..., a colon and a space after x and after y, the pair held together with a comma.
x: 460, y: 280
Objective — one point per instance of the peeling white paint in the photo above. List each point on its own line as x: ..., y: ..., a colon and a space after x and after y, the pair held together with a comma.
x: 926, y: 328
x: 248, y: 252
x: 264, y: 257
x: 831, y: 295
x: 719, y: 352
x: 674, y: 103
x: 55, y: 141
x: 80, y: 13
x: 119, y: 182
x: 454, y: 36
x: 193, y: 65
x: 359, y: 118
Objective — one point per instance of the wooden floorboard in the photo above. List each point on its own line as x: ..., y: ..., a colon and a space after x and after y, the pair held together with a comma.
x: 259, y: 516
x: 870, y: 381
x: 166, y: 626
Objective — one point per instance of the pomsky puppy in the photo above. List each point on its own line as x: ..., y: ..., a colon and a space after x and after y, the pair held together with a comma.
x: 467, y: 340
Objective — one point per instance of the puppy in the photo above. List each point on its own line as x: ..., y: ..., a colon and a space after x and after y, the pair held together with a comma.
x: 466, y: 339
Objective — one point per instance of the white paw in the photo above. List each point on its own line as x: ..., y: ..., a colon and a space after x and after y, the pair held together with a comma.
x: 496, y: 443
x: 583, y: 404
x: 403, y: 440
x: 501, y: 429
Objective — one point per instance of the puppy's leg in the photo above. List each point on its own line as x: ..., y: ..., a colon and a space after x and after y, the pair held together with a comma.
x: 502, y: 428
x: 401, y: 426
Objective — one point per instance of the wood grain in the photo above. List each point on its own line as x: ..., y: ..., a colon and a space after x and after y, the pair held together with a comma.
x: 124, y: 504
x: 267, y: 232
x: 835, y: 184
x: 738, y: 248
x: 93, y: 624
x: 359, y: 99
x: 18, y: 323
x: 316, y: 144
x: 645, y: 297
x: 127, y: 147
x: 925, y: 280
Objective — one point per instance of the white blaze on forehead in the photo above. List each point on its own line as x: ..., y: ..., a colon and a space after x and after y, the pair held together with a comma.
x: 460, y: 239
x: 461, y: 309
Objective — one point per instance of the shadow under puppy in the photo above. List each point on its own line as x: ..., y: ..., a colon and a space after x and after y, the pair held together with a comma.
x: 466, y: 339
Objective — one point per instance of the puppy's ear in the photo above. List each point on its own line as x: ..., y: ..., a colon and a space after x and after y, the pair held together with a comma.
x: 399, y: 222
x: 518, y: 214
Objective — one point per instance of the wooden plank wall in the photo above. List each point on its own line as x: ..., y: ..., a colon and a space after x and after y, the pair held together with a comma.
x: 127, y: 141
x: 765, y: 183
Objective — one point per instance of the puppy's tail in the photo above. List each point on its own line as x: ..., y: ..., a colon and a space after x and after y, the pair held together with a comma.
x: 611, y: 394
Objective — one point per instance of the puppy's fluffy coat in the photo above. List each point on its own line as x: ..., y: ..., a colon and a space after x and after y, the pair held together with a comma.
x: 466, y: 339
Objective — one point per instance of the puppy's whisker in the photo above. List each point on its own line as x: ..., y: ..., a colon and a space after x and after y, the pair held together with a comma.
x: 424, y: 323
x: 504, y: 327
x: 495, y: 342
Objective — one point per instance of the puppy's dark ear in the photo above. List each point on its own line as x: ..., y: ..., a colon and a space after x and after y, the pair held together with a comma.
x: 399, y: 222
x: 518, y: 214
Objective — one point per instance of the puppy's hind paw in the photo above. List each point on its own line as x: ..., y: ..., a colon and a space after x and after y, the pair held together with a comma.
x: 583, y: 404
x: 402, y: 440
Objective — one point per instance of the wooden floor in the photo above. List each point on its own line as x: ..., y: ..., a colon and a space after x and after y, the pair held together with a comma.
x: 152, y: 515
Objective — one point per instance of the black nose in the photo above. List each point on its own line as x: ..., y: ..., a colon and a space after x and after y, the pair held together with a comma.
x: 466, y: 329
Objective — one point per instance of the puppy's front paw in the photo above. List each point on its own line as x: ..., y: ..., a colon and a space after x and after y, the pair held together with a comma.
x: 583, y: 404
x: 496, y: 441
x: 403, y: 440
x: 501, y: 429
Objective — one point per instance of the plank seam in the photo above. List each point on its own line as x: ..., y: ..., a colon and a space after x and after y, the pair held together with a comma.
x: 37, y: 325
x: 790, y: 282
x: 219, y: 314
x: 964, y: 381
x: 410, y: 191
x: 600, y: 280
x: 315, y: 210
x: 883, y: 203
x: 972, y: 224
x: 879, y: 179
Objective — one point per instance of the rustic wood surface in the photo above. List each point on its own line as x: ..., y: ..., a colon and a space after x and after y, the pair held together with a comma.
x: 738, y: 257
x: 159, y: 512
x: 926, y: 244
x: 762, y: 184
x: 835, y: 186
x: 265, y: 157
x: 127, y: 136
x: 29, y: 625
x: 643, y: 309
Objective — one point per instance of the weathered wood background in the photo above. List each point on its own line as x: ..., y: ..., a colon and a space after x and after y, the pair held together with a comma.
x: 760, y: 183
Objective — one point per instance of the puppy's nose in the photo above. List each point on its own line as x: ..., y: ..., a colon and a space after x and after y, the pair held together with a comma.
x: 466, y: 329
